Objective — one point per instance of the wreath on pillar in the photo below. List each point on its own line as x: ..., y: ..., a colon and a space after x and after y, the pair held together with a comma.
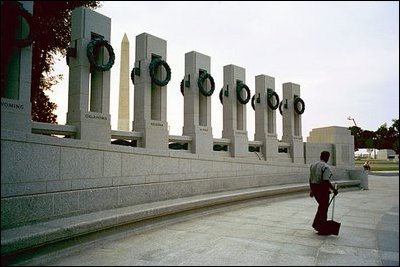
x: 92, y: 50
x: 297, y: 101
x: 220, y: 96
x: 253, y: 102
x: 133, y: 76
x: 239, y: 87
x: 272, y: 94
x: 155, y: 63
x: 182, y: 87
x: 200, y: 82
x: 11, y: 10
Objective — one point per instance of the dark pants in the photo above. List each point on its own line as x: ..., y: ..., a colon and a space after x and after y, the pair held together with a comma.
x: 321, y: 193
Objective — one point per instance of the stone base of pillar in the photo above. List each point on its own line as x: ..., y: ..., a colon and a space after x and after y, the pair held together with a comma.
x: 270, y: 147
x: 202, y: 139
x: 297, y: 150
x: 239, y: 143
x: 91, y: 126
x: 155, y: 134
x: 16, y: 115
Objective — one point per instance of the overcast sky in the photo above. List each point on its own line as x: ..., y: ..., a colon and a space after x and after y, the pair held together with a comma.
x: 344, y: 55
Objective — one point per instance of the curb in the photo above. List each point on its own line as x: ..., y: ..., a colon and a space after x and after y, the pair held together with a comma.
x: 384, y: 173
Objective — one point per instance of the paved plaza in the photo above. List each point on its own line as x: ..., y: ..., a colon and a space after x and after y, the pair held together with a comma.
x: 269, y: 231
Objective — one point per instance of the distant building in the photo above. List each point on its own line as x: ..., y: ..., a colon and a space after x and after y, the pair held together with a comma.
x: 387, y: 154
x: 373, y: 153
x: 366, y: 153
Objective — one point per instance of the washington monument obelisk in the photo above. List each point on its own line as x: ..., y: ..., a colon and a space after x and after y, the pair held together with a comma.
x: 123, y: 108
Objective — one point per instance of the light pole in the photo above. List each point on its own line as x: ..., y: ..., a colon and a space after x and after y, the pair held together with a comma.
x: 350, y: 118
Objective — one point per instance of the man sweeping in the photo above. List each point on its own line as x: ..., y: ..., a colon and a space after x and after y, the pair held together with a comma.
x: 320, y: 185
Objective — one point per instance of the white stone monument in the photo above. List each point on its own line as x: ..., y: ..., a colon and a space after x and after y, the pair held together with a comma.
x: 197, y: 102
x: 292, y: 108
x: 89, y: 87
x: 236, y: 95
x: 266, y: 103
x: 342, y: 143
x: 16, y: 73
x: 150, y: 93
x: 123, y: 107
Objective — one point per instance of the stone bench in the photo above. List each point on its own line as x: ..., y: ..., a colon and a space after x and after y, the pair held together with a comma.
x: 30, y: 236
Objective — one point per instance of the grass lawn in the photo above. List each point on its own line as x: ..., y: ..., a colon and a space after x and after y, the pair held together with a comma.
x: 379, y: 165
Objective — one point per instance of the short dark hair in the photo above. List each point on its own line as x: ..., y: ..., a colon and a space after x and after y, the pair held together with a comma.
x: 325, y: 156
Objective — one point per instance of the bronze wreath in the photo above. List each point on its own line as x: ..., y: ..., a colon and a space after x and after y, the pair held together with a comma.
x: 253, y: 104
x: 92, y: 49
x: 154, y: 65
x: 200, y: 83
x: 239, y: 87
x: 133, y: 76
x: 298, y: 100
x: 182, y: 87
x: 271, y: 93
x: 135, y: 71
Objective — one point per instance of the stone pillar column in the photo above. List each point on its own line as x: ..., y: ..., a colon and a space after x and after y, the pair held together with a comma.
x: 150, y: 106
x: 266, y: 103
x: 123, y: 106
x: 16, y: 70
x: 292, y: 132
x: 197, y: 105
x: 234, y: 112
x: 89, y: 88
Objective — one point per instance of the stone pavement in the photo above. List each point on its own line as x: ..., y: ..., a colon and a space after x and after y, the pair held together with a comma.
x: 267, y: 231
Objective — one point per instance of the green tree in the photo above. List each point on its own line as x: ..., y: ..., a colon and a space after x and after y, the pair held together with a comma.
x: 395, y: 125
x: 394, y: 135
x: 356, y: 132
x: 388, y: 138
x: 381, y: 134
x: 382, y: 138
x: 52, y: 34
x: 368, y: 139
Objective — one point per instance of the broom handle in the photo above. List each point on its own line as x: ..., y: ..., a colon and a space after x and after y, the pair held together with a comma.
x: 333, y: 205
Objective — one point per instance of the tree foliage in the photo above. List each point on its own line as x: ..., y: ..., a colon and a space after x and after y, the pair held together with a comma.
x: 383, y: 138
x: 52, y: 34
